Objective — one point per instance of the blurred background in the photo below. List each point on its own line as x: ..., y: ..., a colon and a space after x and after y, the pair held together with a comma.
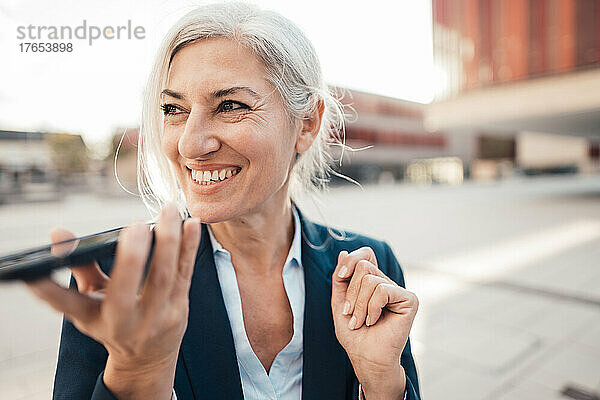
x: 483, y: 175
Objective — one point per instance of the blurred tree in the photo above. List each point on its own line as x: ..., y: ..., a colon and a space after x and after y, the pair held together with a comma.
x: 69, y: 153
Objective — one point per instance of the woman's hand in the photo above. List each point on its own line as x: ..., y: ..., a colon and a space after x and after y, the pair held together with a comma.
x: 372, y: 317
x: 141, y: 326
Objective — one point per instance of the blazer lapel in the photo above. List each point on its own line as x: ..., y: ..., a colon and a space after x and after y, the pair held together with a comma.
x: 325, y: 366
x: 207, y: 349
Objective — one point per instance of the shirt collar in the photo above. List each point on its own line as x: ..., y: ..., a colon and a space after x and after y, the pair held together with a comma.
x: 295, y: 252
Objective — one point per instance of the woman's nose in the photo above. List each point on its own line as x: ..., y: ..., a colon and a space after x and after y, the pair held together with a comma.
x: 199, y: 136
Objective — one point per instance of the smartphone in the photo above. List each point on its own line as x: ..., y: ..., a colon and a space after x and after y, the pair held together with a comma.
x: 41, y: 261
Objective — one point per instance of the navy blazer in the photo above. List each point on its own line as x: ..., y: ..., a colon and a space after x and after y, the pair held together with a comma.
x: 207, y: 366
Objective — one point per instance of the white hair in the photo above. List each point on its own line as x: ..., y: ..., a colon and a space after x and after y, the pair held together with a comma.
x: 292, y: 67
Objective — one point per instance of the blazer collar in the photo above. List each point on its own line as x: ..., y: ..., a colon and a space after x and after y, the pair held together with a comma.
x: 208, y: 351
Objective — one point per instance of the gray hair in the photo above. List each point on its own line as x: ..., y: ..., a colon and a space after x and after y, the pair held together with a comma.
x: 292, y: 67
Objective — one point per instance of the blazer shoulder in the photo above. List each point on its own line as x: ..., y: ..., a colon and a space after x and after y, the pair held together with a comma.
x: 331, y: 241
x: 342, y: 239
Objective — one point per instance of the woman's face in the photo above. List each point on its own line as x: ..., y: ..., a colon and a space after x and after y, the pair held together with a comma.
x: 226, y: 131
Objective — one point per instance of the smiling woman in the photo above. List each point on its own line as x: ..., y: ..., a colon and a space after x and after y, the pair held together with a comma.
x: 270, y: 47
x: 239, y: 303
x: 217, y: 118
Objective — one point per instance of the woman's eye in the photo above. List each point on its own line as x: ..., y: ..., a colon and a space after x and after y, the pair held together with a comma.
x: 230, y: 105
x: 169, y: 109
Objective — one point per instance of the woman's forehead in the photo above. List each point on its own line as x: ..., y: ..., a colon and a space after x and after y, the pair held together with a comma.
x: 216, y: 64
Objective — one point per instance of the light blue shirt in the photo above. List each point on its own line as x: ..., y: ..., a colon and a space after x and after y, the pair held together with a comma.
x: 284, y: 380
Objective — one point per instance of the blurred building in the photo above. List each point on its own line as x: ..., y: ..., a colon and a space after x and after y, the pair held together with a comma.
x: 35, y: 165
x: 515, y: 70
x: 388, y: 135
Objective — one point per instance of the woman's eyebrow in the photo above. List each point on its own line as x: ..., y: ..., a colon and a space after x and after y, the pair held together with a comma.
x: 216, y: 93
x: 173, y: 93
x: 232, y: 90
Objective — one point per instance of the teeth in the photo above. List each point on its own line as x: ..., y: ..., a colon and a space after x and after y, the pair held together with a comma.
x: 211, y: 177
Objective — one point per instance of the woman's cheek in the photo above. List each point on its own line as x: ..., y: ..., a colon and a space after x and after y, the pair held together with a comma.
x: 169, y: 143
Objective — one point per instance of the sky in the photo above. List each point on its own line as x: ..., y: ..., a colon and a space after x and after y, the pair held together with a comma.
x: 378, y: 46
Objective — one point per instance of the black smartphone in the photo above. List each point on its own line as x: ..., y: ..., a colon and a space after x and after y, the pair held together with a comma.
x: 41, y: 261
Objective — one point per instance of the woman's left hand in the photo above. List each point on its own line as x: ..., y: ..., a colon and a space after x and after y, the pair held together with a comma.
x: 372, y: 316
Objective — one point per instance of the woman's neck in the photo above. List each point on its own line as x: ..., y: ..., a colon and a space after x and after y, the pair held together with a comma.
x: 259, y: 242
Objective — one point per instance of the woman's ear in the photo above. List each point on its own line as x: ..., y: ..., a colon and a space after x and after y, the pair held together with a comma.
x: 310, y: 128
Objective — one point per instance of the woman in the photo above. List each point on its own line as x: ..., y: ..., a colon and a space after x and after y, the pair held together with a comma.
x: 256, y: 302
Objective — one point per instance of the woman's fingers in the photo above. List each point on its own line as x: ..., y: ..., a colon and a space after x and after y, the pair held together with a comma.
x: 377, y: 293
x: 363, y: 267
x: 351, y: 260
x: 380, y: 299
x: 132, y: 252
x: 368, y: 287
x: 353, y: 268
x: 77, y: 307
x: 338, y: 286
x: 89, y: 277
x: 59, y: 234
x: 344, y: 274
x: 163, y: 267
x: 187, y: 258
x: 394, y: 298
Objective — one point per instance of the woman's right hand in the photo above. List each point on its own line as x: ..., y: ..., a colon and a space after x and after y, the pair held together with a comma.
x: 141, y: 326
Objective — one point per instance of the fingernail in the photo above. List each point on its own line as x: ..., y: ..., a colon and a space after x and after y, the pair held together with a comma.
x: 346, y: 308
x: 368, y: 321
x: 352, y: 322
x: 343, y: 272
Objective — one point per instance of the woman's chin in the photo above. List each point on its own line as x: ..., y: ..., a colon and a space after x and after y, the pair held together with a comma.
x: 211, y: 213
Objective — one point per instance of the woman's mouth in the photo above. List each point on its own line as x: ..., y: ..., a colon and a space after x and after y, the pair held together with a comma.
x: 210, y: 177
x: 213, y: 177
